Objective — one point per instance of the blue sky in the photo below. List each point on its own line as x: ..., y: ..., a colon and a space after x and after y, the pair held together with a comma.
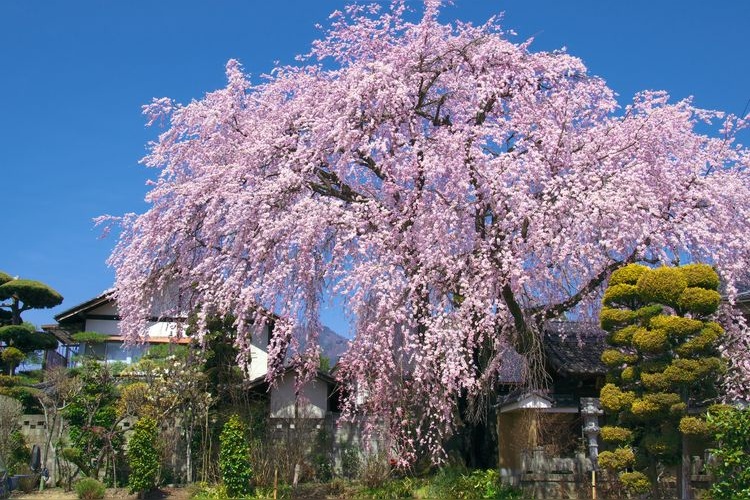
x: 74, y: 75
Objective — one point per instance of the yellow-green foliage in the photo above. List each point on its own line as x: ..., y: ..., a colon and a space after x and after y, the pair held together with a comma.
x: 676, y: 326
x: 612, y: 358
x: 656, y: 404
x: 622, y: 294
x: 701, y: 276
x: 645, y: 313
x: 628, y: 274
x: 718, y: 408
x: 613, y: 399
x: 653, y: 366
x: 662, y: 444
x: 657, y: 355
x: 615, y: 318
x: 628, y: 374
x: 694, y: 426
x: 618, y: 459
x: 688, y: 371
x: 699, y: 301
x: 636, y: 483
x: 617, y: 435
x: 703, y: 342
x: 622, y: 336
x: 663, y: 285
x: 651, y: 341
x: 654, y: 381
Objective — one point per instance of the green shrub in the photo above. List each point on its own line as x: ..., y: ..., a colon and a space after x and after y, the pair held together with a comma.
x: 20, y: 453
x: 663, y: 444
x: 694, y: 426
x: 699, y: 301
x: 143, y: 457
x: 658, y: 361
x: 663, y: 285
x: 654, y: 381
x: 676, y: 326
x: 701, y: 276
x: 628, y: 274
x: 628, y: 374
x: 732, y: 469
x: 204, y: 491
x: 350, y: 462
x: 618, y: 459
x: 618, y: 435
x: 636, y: 483
x: 613, y: 399
x: 611, y: 318
x: 234, y: 457
x: 394, y: 488
x: 458, y: 483
x: 622, y: 336
x: 612, y: 357
x: 621, y: 294
x: 89, y: 488
x: 30, y: 481
x: 650, y: 341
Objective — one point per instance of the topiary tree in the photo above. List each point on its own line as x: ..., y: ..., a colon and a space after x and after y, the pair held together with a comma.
x: 12, y: 357
x: 234, y: 457
x: 17, y: 296
x: 89, y: 340
x: 663, y: 360
x: 143, y: 457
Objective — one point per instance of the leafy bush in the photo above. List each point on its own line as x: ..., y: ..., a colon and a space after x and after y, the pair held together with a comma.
x: 613, y: 434
x: 30, y: 481
x: 732, y: 469
x: 89, y: 488
x: 19, y: 453
x: 234, y: 457
x: 203, y: 491
x: 620, y: 458
x: 635, y: 482
x: 143, y: 457
x: 350, y: 462
x: 374, y: 471
x: 457, y: 483
x: 396, y: 488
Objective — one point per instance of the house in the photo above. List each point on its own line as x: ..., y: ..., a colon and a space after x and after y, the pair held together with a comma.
x: 547, y: 438
x: 100, y: 315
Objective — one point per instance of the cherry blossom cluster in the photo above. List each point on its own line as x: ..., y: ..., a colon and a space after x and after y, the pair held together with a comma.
x: 455, y: 187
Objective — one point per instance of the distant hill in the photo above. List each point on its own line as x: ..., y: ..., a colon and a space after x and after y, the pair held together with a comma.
x: 332, y: 345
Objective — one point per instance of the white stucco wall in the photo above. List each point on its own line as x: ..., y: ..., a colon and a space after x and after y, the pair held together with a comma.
x: 162, y: 330
x: 314, y: 395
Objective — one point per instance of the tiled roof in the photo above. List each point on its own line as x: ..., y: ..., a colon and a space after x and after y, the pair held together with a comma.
x: 575, y: 348
x: 571, y: 348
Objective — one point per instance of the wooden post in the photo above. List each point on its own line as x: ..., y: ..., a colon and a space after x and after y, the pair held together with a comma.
x: 593, y: 484
x: 275, y: 482
x: 683, y: 483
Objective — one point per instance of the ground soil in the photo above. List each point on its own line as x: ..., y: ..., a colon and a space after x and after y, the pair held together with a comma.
x: 112, y: 494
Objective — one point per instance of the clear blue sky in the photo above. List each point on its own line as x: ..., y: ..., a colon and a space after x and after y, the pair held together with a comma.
x: 74, y: 75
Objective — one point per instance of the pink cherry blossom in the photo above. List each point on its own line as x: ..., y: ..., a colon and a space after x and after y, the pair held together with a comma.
x: 457, y: 188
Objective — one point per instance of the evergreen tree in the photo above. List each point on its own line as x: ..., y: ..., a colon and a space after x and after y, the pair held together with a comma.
x: 16, y: 297
x: 663, y: 360
x: 143, y: 457
x: 234, y: 457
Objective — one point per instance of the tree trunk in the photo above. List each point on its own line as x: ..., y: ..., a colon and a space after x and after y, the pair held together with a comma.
x: 683, y: 475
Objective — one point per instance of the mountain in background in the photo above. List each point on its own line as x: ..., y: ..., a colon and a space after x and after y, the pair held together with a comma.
x: 332, y: 345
